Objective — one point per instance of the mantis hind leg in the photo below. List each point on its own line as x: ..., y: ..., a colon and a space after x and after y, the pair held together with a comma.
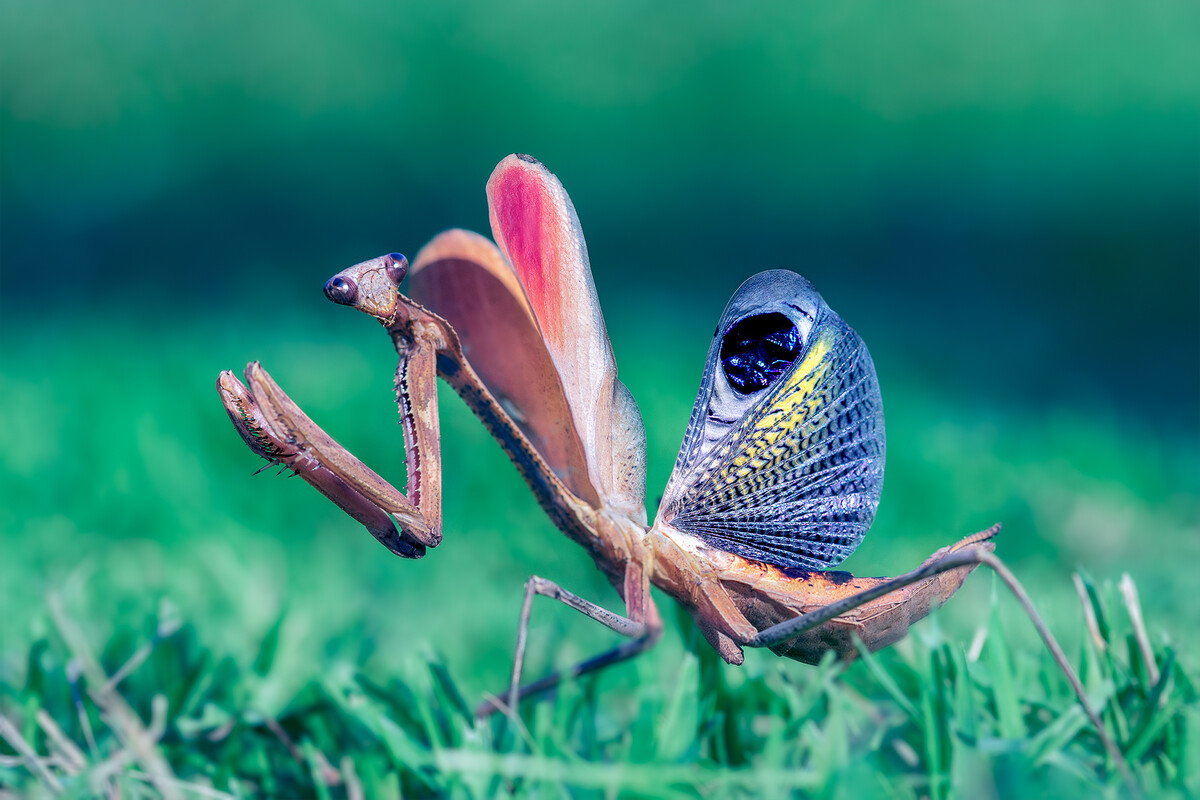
x: 643, y: 634
x: 968, y: 556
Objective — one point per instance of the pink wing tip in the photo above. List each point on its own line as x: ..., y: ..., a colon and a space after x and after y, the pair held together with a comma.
x: 531, y: 223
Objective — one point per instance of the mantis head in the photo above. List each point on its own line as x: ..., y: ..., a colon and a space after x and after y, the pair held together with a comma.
x: 372, y: 287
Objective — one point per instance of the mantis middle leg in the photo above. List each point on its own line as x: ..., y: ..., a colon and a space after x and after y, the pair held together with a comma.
x: 643, y: 627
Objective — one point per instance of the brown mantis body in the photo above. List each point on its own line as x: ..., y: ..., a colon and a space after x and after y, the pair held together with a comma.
x: 786, y: 436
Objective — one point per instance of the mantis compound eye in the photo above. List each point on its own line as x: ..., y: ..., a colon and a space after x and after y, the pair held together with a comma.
x: 757, y: 350
x: 397, y: 267
x: 341, y: 290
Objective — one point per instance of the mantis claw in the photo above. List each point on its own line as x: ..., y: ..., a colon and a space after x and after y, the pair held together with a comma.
x: 274, y: 427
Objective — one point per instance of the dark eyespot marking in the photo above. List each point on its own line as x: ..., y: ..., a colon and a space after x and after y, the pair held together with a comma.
x: 757, y: 350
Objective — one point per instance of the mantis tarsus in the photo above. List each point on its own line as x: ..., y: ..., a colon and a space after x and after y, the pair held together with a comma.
x: 777, y: 479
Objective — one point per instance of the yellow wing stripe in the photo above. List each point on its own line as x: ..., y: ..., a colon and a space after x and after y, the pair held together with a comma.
x: 795, y: 402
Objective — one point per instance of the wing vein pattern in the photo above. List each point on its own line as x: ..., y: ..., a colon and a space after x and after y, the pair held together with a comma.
x: 795, y: 481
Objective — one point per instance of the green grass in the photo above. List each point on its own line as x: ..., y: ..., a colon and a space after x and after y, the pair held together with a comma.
x: 925, y: 719
x: 263, y: 645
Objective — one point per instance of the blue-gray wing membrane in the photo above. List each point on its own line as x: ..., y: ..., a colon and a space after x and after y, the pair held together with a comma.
x: 789, y: 475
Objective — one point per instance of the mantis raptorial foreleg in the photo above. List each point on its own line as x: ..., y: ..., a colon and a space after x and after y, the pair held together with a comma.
x: 275, y: 428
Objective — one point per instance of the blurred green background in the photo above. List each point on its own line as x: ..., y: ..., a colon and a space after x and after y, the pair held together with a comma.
x: 1002, y: 198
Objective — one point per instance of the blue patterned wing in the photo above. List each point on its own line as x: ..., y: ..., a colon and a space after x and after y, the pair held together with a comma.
x: 782, y: 461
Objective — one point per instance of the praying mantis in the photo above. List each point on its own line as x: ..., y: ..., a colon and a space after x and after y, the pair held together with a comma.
x: 777, y: 479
